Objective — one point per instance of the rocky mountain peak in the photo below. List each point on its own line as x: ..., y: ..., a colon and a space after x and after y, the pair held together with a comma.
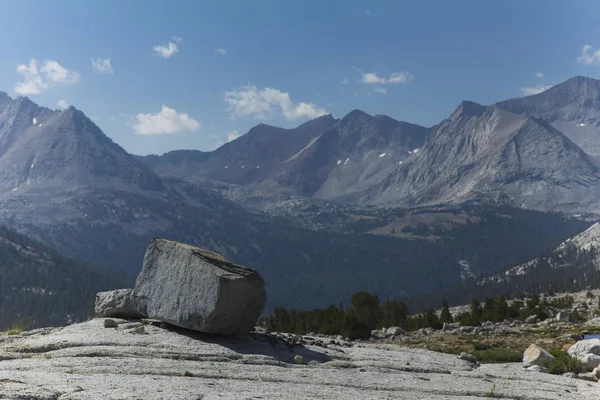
x: 468, y: 109
x: 354, y: 117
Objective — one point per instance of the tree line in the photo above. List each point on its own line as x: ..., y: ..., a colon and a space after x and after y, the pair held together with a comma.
x: 365, y: 313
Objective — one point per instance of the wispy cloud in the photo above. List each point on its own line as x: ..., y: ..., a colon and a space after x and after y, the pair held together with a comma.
x: 166, y: 121
x: 102, y: 66
x: 221, y: 51
x: 531, y: 90
x: 62, y: 104
x: 589, y: 55
x: 265, y: 103
x: 36, y: 78
x: 394, y: 77
x: 380, y: 90
x: 167, y: 50
x: 539, y: 74
x: 345, y: 81
x: 231, y: 136
x: 367, y: 12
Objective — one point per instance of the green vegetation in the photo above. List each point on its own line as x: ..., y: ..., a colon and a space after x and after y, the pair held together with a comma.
x: 39, y: 287
x: 364, y: 313
x: 562, y: 363
x: 498, y: 355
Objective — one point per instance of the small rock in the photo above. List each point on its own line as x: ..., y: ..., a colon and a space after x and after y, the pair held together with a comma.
x: 394, y: 331
x: 377, y: 334
x: 532, y: 319
x: 468, y: 357
x: 571, y: 375
x: 586, y: 376
x: 110, y: 323
x: 298, y: 359
x: 187, y: 373
x: 537, y: 368
x: 139, y: 330
x: 563, y: 316
x: 596, y: 373
x: 116, y: 304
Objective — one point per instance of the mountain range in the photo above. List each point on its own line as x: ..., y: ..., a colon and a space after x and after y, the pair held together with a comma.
x: 537, y: 152
x: 323, y: 210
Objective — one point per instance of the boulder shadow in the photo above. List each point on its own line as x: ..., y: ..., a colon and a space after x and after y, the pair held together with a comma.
x: 262, y: 344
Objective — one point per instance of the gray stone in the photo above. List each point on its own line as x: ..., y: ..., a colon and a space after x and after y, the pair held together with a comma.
x: 563, y: 316
x: 116, y: 304
x: 377, y: 334
x: 468, y: 357
x: 537, y: 368
x: 587, y: 351
x: 110, y: 323
x: 85, y: 361
x: 394, y: 331
x: 532, y: 319
x: 197, y: 289
x: 535, y: 355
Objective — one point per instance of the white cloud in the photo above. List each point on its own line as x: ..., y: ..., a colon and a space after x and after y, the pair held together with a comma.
x: 221, y: 51
x: 166, y: 121
x: 102, y: 66
x: 528, y: 91
x: 380, y: 90
x: 36, y: 79
x: 62, y: 104
x: 345, y: 81
x: 232, y: 135
x: 166, y: 50
x: 263, y: 104
x: 539, y: 75
x: 111, y: 118
x: 589, y: 55
x: 394, y: 77
x: 177, y: 39
x: 59, y: 74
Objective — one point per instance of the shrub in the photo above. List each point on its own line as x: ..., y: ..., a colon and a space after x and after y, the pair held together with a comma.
x: 498, y: 355
x: 562, y: 363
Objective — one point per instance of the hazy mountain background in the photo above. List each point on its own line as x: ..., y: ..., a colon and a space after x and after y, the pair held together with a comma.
x: 329, y: 208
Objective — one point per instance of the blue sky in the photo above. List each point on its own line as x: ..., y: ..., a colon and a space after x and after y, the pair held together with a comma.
x: 194, y: 74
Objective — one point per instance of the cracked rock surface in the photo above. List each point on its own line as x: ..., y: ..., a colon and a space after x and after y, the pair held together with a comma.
x: 88, y: 361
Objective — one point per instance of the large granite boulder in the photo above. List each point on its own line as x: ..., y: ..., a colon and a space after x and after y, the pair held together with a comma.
x: 197, y: 289
x: 116, y: 304
x: 587, y: 351
x: 535, y: 355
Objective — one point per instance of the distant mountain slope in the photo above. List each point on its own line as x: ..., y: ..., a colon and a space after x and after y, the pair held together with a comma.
x: 572, y: 107
x: 569, y: 254
x: 323, y: 158
x: 489, y: 154
x: 251, y: 158
x: 358, y: 152
x: 42, y: 288
x: 94, y: 202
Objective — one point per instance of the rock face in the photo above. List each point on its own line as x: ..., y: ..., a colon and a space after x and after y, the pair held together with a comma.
x: 587, y: 351
x: 488, y: 154
x: 196, y: 289
x: 116, y: 303
x: 535, y: 355
x: 563, y: 316
x: 86, y: 361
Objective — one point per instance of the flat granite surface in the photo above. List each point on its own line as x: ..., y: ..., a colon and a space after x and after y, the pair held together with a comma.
x: 135, y: 361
